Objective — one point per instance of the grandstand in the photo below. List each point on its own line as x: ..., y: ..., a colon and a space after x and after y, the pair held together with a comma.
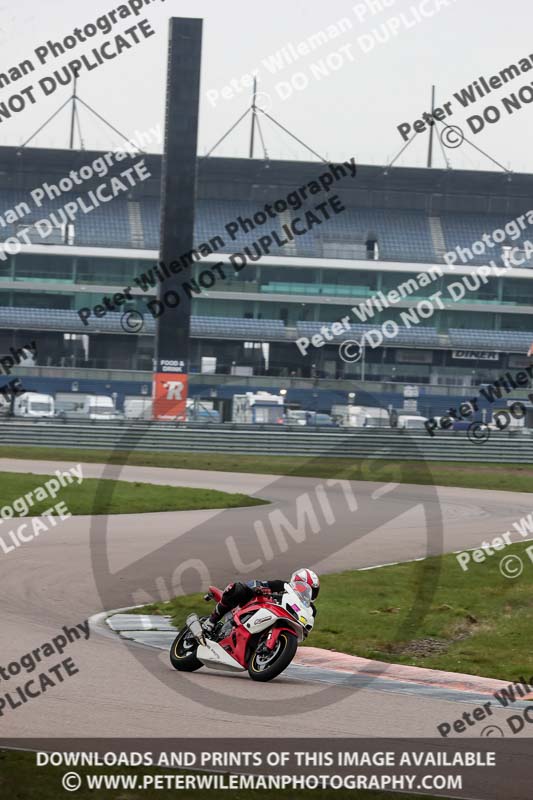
x: 397, y: 224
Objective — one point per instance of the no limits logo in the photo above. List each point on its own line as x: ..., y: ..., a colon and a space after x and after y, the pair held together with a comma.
x: 267, y: 541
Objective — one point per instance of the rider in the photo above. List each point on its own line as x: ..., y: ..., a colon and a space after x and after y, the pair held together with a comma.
x: 238, y: 594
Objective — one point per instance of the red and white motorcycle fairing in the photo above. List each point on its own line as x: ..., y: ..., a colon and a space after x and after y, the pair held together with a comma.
x: 292, y: 615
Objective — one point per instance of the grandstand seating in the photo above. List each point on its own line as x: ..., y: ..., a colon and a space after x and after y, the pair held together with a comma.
x: 415, y: 336
x: 401, y: 235
x: 412, y: 216
x: 235, y: 328
x: 497, y: 340
x: 104, y: 226
x: 398, y: 232
x: 67, y: 320
x: 60, y: 319
x: 462, y: 230
x: 151, y: 222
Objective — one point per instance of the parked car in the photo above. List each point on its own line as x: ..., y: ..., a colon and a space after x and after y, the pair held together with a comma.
x: 322, y: 420
x: 313, y: 418
x: 296, y: 417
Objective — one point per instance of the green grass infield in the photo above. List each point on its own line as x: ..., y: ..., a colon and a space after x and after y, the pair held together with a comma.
x: 20, y: 493
x: 510, y: 477
x: 476, y: 621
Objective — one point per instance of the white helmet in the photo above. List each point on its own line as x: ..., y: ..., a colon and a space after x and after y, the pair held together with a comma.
x: 309, y: 577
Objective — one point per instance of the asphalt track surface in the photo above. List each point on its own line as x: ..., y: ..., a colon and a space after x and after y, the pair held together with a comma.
x: 123, y: 689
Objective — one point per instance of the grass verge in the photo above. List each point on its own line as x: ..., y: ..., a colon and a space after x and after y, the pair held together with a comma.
x: 122, y: 497
x: 20, y: 779
x: 510, y: 477
x: 478, y: 622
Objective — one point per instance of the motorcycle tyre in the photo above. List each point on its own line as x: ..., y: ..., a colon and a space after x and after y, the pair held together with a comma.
x: 183, y: 663
x: 282, y: 661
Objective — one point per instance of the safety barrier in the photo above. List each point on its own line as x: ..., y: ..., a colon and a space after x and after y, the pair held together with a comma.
x: 510, y: 447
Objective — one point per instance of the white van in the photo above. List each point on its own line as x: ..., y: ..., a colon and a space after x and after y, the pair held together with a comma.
x: 412, y: 422
x: 99, y: 406
x: 258, y: 408
x: 137, y: 406
x: 33, y: 404
x: 361, y: 416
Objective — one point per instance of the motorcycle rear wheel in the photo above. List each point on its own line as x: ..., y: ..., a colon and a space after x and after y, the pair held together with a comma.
x: 266, y: 665
x: 183, y: 652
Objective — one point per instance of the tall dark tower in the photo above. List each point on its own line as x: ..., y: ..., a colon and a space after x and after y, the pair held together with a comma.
x: 178, y: 196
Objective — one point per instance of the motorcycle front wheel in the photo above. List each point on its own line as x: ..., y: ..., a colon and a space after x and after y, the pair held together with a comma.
x: 183, y: 652
x: 267, y: 664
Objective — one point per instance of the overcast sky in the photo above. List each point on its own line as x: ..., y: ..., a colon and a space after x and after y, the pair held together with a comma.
x: 373, y: 86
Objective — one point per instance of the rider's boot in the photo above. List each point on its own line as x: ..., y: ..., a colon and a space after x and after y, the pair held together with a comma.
x: 218, y: 612
x: 208, y: 626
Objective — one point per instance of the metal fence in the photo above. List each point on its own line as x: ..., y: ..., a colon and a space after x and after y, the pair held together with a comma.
x: 510, y: 447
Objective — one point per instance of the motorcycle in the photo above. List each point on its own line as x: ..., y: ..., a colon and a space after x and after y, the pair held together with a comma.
x: 261, y: 636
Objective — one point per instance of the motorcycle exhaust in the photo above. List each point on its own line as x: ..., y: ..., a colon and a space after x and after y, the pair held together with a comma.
x: 195, y: 627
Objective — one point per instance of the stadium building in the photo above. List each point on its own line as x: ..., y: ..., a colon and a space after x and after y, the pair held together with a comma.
x: 372, y: 268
